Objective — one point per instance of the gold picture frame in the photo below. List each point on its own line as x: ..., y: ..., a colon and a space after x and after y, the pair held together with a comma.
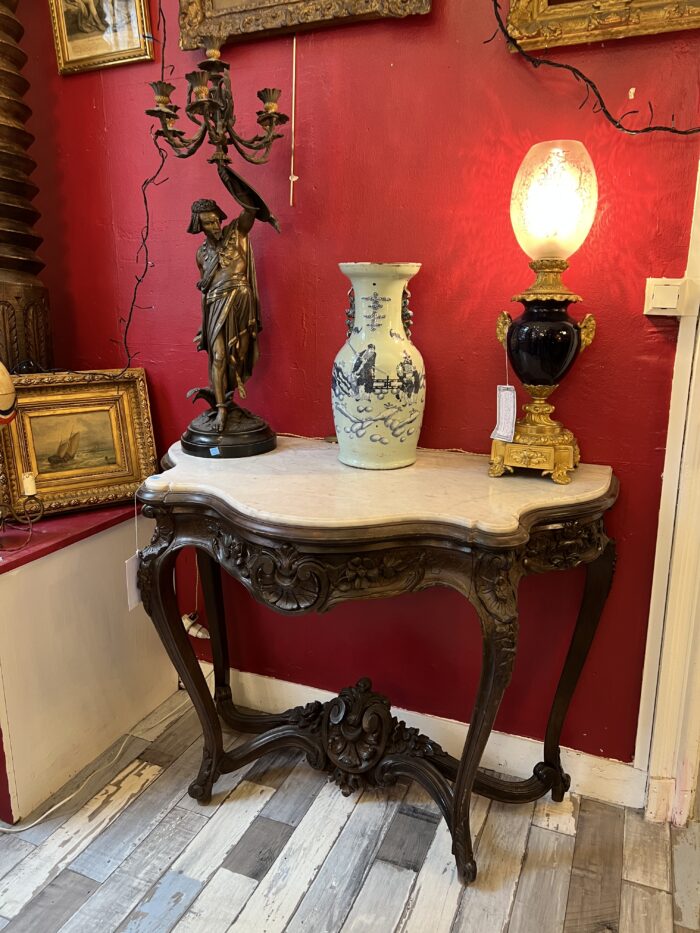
x: 542, y: 24
x: 209, y: 24
x: 91, y: 34
x: 86, y: 437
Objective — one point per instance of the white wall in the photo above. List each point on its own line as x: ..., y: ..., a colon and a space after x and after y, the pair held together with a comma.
x: 77, y: 669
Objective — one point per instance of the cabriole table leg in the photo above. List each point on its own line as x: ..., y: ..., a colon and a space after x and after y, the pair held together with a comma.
x: 599, y: 576
x: 499, y: 643
x: 159, y: 599
x: 210, y: 576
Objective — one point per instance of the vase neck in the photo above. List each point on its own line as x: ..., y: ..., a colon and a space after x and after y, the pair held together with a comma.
x: 378, y: 304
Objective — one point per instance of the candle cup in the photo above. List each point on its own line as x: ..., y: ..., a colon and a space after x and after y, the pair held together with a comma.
x: 28, y: 484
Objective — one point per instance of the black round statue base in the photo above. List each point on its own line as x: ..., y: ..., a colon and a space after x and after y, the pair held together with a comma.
x: 245, y: 435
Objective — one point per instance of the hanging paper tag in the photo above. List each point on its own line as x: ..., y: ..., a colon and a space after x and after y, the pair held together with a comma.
x: 132, y: 588
x: 506, y: 412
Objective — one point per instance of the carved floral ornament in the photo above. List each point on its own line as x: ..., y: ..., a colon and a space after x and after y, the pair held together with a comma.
x: 289, y: 580
x: 541, y: 24
x: 211, y: 23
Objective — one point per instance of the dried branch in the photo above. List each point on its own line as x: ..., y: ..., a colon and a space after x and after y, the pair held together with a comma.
x: 599, y: 105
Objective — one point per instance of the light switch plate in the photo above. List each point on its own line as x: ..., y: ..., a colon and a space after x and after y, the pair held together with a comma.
x: 672, y: 297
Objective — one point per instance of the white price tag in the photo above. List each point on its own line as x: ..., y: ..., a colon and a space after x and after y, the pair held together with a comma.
x: 132, y: 589
x: 506, y: 412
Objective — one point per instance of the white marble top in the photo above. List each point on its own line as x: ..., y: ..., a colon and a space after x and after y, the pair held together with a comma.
x: 303, y: 483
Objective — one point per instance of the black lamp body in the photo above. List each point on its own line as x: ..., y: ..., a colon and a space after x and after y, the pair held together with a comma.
x: 543, y: 343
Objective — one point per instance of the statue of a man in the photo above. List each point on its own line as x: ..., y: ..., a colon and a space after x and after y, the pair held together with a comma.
x: 230, y: 303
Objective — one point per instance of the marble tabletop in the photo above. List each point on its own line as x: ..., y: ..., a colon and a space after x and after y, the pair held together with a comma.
x: 302, y: 483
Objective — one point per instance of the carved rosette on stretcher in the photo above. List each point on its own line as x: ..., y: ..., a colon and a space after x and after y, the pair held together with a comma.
x: 378, y: 380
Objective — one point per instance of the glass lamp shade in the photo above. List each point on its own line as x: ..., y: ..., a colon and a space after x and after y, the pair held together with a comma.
x: 554, y: 199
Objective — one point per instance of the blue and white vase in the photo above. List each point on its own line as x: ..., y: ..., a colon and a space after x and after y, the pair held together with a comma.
x: 378, y: 382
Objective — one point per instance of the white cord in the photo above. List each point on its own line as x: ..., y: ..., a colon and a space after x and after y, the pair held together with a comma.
x: 292, y: 128
x: 136, y: 524
x: 196, y: 588
x: 20, y: 828
x: 439, y: 450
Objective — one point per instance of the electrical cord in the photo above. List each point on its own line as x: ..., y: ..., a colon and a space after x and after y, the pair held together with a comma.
x: 21, y: 827
x: 599, y: 105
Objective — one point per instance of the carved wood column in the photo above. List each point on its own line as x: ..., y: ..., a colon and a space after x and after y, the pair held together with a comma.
x: 24, y: 306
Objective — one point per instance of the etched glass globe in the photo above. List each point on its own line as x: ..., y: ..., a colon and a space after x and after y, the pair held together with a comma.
x: 554, y: 199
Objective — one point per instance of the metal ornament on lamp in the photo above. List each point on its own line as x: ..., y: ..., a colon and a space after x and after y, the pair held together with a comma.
x: 553, y: 204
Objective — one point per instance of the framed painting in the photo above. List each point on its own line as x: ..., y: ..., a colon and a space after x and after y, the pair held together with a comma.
x: 209, y: 24
x: 541, y: 24
x: 86, y: 437
x: 93, y: 34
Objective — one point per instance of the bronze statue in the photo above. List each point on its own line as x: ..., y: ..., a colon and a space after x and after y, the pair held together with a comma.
x: 230, y: 324
x: 230, y: 303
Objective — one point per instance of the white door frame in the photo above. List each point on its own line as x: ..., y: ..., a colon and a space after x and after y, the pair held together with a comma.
x: 668, y: 733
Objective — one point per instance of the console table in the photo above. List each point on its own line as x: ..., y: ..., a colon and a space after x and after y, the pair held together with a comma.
x: 302, y: 532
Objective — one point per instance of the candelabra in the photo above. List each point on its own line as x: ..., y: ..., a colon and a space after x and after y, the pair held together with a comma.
x: 230, y: 316
x: 210, y: 106
x: 27, y: 511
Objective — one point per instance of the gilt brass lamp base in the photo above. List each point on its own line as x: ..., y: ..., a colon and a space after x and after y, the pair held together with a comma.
x: 539, y: 443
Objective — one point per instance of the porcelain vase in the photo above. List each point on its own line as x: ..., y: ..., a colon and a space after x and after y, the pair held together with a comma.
x: 378, y: 380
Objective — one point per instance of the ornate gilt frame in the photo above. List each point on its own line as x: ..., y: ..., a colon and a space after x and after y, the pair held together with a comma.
x: 540, y: 24
x: 141, y: 51
x: 123, y: 396
x: 211, y: 23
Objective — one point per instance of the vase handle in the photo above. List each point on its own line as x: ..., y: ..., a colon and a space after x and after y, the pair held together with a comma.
x: 503, y: 322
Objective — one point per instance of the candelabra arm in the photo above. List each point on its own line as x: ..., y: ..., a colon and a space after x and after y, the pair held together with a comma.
x: 256, y: 144
x: 193, y: 118
x: 183, y: 147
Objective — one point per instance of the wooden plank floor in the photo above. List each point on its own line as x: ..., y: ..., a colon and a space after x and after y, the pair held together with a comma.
x: 280, y: 850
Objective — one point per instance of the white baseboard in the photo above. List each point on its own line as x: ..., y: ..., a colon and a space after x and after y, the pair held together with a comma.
x: 659, y: 806
x: 602, y: 778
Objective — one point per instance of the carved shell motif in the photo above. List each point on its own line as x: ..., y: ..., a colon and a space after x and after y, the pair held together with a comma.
x: 285, y: 580
x: 494, y: 585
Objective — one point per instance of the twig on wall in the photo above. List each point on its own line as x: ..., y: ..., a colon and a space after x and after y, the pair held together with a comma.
x: 599, y: 105
x: 143, y: 251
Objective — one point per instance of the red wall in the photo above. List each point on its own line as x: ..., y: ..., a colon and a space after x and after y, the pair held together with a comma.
x: 409, y: 134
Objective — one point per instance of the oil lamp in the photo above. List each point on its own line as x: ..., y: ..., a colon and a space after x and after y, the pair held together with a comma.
x: 552, y: 207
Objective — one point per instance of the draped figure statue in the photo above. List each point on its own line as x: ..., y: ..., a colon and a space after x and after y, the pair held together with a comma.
x: 230, y: 303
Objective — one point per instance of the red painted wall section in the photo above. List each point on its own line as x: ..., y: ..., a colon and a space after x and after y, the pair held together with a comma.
x: 6, y: 814
x: 409, y: 135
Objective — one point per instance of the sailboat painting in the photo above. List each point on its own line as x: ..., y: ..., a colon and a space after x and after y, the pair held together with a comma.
x: 66, y: 450
x: 80, y: 441
x: 86, y: 437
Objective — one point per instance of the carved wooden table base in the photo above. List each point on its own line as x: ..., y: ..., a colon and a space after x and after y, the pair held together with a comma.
x: 354, y: 736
